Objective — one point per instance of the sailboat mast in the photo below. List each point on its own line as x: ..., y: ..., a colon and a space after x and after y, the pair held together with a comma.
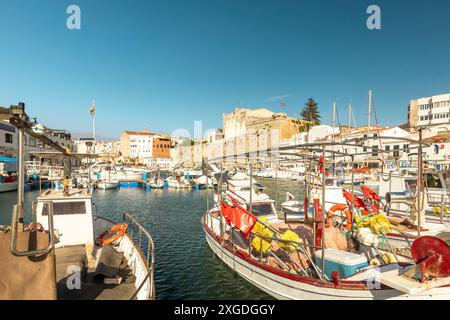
x: 349, y: 115
x: 370, y: 109
x: 334, y: 118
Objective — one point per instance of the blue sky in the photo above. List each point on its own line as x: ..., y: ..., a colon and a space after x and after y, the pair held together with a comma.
x: 164, y: 64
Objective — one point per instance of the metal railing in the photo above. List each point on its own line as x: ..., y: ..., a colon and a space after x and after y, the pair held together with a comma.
x: 143, y: 241
x: 15, y: 230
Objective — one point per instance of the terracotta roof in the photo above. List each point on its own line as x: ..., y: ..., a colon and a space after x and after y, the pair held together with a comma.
x: 141, y: 133
x: 443, y: 137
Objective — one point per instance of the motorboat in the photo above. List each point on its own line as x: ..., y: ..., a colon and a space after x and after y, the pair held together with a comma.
x: 107, y: 184
x: 178, y: 182
x: 8, y: 183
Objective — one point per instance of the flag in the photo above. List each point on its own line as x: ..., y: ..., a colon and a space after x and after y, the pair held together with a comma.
x: 282, y: 104
x: 92, y: 110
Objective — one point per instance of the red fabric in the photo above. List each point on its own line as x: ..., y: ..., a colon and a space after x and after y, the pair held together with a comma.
x: 373, y: 198
x: 359, y: 203
x: 239, y: 218
x: 321, y: 166
x: 361, y: 170
x: 369, y: 193
x: 227, y: 212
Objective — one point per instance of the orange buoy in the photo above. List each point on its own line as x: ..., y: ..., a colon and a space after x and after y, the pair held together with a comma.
x: 343, y: 208
x: 118, y: 230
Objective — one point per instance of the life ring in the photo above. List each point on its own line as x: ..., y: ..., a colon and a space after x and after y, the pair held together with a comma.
x: 344, y: 208
x: 39, y: 227
x: 119, y: 230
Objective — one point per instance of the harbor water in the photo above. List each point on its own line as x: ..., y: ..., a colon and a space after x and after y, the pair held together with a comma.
x: 185, y: 266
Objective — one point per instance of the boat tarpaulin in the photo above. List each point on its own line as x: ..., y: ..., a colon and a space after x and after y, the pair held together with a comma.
x: 358, y: 202
x: 238, y: 217
x: 6, y: 159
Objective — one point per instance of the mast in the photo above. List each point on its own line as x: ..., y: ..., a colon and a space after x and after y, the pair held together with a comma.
x: 334, y: 118
x: 332, y: 139
x: 370, y: 110
x: 368, y: 118
x: 350, y: 115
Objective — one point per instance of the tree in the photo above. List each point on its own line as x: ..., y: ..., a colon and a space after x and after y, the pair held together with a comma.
x: 310, y: 112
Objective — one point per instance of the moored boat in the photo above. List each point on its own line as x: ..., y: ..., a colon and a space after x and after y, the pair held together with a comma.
x: 341, y: 249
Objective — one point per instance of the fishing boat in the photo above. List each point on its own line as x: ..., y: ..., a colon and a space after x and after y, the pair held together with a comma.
x: 338, y: 252
x: 69, y: 251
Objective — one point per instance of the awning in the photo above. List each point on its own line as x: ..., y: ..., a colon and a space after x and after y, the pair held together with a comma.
x: 5, y: 159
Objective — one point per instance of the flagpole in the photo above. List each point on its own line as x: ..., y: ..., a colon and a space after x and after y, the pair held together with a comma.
x: 93, y: 126
x: 93, y: 122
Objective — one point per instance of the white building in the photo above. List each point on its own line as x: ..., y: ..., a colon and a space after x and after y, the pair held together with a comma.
x: 151, y: 149
x: 8, y: 140
x: 430, y: 111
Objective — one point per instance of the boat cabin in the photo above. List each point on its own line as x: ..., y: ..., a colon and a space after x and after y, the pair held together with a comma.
x: 72, y: 216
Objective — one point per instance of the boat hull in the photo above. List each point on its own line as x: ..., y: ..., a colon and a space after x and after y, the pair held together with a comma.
x: 7, y: 187
x: 107, y: 185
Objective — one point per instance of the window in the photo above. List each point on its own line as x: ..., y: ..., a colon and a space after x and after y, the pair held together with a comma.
x: 433, y: 181
x: 8, y: 138
x: 387, y: 148
x: 262, y: 209
x: 406, y: 148
x: 396, y: 151
x: 63, y: 208
x: 375, y: 151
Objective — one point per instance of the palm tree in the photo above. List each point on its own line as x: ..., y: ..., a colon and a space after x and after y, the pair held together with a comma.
x: 310, y: 112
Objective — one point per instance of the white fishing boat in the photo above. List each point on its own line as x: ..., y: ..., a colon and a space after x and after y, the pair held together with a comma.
x: 314, y: 258
x: 107, y: 184
x: 68, y: 251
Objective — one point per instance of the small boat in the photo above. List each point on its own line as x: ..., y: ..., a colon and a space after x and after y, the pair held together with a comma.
x: 156, y: 184
x: 8, y: 186
x: 107, y: 184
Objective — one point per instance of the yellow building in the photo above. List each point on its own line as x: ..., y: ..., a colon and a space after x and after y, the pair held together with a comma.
x: 250, y: 130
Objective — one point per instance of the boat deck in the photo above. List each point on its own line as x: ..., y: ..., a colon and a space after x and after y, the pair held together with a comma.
x: 73, y: 258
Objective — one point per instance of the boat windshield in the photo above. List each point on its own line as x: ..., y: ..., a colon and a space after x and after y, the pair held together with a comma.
x: 262, y: 209
x: 433, y: 181
x: 411, y: 185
